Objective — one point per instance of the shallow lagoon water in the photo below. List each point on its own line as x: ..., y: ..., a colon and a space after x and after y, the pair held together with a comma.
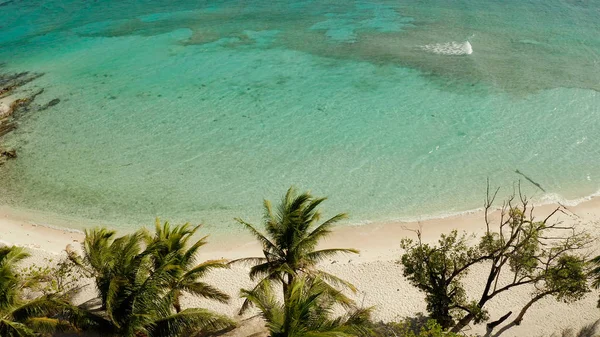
x: 195, y: 111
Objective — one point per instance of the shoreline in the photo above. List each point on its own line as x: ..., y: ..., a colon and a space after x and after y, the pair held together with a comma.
x: 67, y: 222
x: 56, y: 232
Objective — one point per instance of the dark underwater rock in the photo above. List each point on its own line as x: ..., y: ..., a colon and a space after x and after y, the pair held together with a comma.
x: 53, y: 102
x: 14, y: 105
x: 8, y: 153
x: 50, y: 104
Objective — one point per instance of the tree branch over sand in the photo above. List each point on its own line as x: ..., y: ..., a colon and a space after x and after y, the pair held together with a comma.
x: 521, y: 251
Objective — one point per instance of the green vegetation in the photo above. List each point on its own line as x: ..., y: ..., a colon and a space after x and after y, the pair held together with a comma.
x: 595, y: 274
x: 308, y: 310
x: 547, y: 255
x: 22, y: 318
x: 140, y: 279
x: 290, y: 259
x: 421, y: 327
x: 292, y: 234
x: 172, y: 248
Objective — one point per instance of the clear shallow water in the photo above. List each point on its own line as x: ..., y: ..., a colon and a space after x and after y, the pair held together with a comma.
x: 195, y: 111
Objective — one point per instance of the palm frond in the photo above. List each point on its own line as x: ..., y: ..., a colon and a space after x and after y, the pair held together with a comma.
x: 189, y: 257
x: 308, y: 310
x: 14, y: 329
x: 310, y: 212
x: 332, y: 333
x: 10, y: 256
x: 324, y: 229
x: 189, y: 321
x: 262, y: 270
x: 205, y: 267
x: 207, y: 291
x: 260, y: 295
x: 266, y: 243
x: 330, y: 278
x: 356, y: 322
x: 47, y: 325
x: 43, y: 306
x: 114, y: 298
x: 248, y: 261
x: 96, y: 247
x: 10, y: 283
x: 323, y: 254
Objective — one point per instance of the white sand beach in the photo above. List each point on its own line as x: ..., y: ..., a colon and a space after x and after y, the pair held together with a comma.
x: 375, y: 271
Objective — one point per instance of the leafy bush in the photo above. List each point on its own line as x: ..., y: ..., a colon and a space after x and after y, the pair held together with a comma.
x: 419, y: 326
x: 52, y: 278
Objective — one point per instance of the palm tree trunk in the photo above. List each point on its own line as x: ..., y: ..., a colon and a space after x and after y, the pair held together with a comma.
x: 287, y: 287
x: 177, y: 303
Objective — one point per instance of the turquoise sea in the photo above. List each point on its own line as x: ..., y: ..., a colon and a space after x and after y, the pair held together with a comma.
x: 395, y: 109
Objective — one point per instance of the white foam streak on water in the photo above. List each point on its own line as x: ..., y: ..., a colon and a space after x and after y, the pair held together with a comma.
x: 555, y: 198
x: 449, y: 48
x: 545, y: 199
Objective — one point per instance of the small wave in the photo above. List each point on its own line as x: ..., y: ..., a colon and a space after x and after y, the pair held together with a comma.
x: 449, y: 48
x: 555, y: 198
x: 58, y: 228
x: 546, y: 199
x: 416, y: 219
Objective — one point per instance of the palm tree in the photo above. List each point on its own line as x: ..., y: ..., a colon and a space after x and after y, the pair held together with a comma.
x: 20, y: 318
x: 132, y: 281
x: 308, y: 311
x: 292, y: 234
x: 172, y: 243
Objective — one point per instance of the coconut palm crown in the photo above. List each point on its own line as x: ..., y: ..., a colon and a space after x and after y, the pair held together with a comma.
x: 289, y: 244
x: 139, y: 279
x: 174, y: 243
x: 308, y: 311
